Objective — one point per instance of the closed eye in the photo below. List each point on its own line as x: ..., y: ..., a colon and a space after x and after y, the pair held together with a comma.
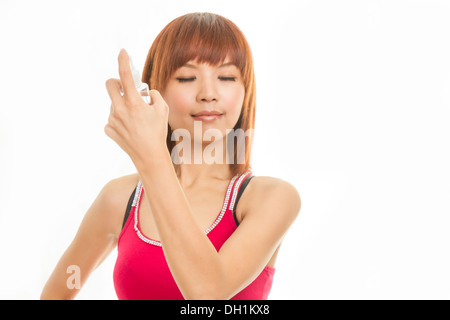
x: 227, y: 78
x: 186, y: 79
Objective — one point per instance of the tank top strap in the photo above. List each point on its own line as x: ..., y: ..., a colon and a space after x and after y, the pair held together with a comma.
x: 236, y: 188
x: 137, y: 196
x: 132, y: 202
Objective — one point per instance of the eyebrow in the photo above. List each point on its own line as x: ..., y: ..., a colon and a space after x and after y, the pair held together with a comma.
x: 193, y: 66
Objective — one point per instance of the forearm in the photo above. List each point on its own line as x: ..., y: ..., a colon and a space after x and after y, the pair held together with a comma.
x: 192, y: 259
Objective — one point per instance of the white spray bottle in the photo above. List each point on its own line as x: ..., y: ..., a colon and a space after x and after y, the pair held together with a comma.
x: 142, y: 88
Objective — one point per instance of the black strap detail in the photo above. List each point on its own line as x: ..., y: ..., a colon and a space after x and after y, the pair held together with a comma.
x: 127, y: 212
x: 241, y: 190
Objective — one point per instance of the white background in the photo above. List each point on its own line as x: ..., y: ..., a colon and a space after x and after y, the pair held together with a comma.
x: 353, y: 109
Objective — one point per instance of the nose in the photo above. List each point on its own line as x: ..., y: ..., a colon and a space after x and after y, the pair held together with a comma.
x: 207, y: 91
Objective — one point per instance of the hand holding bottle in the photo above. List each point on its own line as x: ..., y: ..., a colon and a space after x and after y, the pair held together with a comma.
x: 139, y: 128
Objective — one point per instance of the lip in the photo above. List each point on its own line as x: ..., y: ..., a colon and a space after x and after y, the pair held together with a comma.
x: 208, y: 118
x: 207, y: 113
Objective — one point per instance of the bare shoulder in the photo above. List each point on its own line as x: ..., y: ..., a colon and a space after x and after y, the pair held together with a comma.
x: 110, y: 204
x: 118, y: 189
x: 265, y: 194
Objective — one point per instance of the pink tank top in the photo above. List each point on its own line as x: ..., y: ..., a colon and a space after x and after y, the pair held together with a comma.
x: 141, y: 271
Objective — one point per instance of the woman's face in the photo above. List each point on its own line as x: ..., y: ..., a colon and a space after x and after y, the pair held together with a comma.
x: 194, y: 89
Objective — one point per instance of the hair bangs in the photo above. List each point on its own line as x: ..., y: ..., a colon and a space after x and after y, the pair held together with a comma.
x: 206, y: 39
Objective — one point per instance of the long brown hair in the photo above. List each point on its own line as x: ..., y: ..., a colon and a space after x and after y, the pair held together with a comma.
x: 206, y: 38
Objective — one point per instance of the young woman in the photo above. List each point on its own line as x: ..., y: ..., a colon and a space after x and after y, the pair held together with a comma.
x: 189, y: 229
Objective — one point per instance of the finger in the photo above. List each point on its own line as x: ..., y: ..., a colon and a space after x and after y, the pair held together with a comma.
x: 110, y: 132
x: 114, y: 87
x: 156, y: 98
x: 126, y: 77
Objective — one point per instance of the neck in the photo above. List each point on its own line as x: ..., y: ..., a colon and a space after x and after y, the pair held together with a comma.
x: 204, y: 161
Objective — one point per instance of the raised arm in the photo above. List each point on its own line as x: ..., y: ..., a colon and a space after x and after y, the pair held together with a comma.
x: 198, y: 269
